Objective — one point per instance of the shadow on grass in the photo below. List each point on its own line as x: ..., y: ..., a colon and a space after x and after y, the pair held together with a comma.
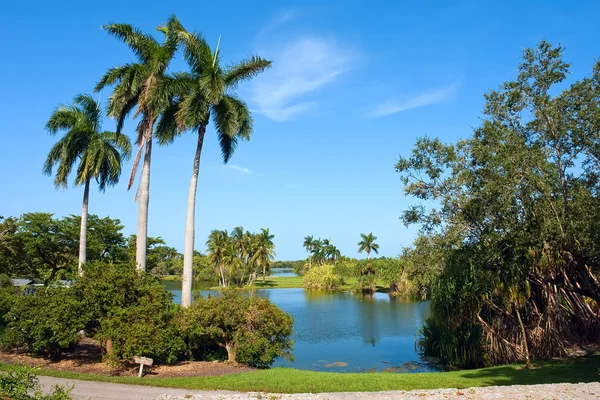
x: 267, y: 283
x: 571, y: 370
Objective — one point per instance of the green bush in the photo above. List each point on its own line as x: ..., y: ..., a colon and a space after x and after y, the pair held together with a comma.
x: 46, y: 322
x: 251, y: 329
x: 322, y: 278
x: 7, y: 296
x: 145, y: 329
x: 132, y: 310
x: 20, y: 383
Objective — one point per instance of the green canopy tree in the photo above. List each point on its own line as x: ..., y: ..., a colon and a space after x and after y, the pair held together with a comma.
x: 516, y: 206
x: 99, y: 153
x: 139, y: 84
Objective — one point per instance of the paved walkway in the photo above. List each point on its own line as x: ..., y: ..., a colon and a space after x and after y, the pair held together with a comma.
x: 84, y: 390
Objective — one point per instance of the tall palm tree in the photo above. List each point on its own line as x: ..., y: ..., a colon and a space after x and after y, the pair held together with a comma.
x: 264, y: 251
x: 99, y: 153
x: 207, y: 91
x: 308, y: 245
x: 217, y: 247
x: 368, y: 244
x: 138, y: 85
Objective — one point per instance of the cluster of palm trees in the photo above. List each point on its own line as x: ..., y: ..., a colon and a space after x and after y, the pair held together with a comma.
x: 320, y: 252
x: 166, y: 105
x: 240, y: 256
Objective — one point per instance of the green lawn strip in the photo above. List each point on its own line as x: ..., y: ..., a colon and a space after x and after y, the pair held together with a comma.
x: 287, y: 380
x: 284, y: 282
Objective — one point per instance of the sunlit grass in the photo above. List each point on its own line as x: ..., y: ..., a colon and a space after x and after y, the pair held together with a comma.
x: 287, y: 380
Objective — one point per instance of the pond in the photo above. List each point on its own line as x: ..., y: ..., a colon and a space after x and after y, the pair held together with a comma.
x: 342, y: 332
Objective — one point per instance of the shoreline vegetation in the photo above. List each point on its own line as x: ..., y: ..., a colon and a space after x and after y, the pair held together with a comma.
x: 281, y: 282
x: 288, y: 380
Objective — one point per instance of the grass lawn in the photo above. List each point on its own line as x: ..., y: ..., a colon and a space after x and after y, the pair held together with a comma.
x: 287, y: 380
x: 284, y: 282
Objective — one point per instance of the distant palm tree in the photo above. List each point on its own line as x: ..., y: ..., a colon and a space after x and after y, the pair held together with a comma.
x: 265, y: 251
x: 204, y: 92
x: 368, y: 244
x: 217, y: 247
x: 250, y: 247
x: 139, y: 85
x: 237, y: 236
x: 333, y: 253
x: 99, y: 154
x: 308, y: 245
x: 318, y: 253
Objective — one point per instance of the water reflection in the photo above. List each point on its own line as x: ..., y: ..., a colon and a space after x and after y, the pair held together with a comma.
x: 339, y: 331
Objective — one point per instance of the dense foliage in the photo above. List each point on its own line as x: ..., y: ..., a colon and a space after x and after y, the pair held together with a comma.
x: 517, y: 220
x: 130, y: 313
x: 46, y: 322
x: 322, y: 277
x: 251, y: 329
x: 21, y: 383
x: 40, y: 246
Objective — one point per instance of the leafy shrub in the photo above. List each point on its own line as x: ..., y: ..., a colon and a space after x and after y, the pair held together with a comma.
x: 252, y: 330
x: 20, y: 383
x: 132, y: 310
x: 46, y: 322
x: 7, y: 295
x: 321, y: 278
x: 145, y: 329
x: 346, y: 267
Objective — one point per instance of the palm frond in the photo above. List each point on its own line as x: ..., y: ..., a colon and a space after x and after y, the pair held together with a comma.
x: 245, y: 70
x: 91, y: 109
x: 112, y: 76
x: 64, y: 117
x: 143, y: 45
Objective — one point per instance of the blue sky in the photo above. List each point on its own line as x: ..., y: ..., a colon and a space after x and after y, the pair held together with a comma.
x: 353, y: 84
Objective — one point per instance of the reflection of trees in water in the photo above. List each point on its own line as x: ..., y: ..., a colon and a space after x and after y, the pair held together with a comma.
x: 367, y: 320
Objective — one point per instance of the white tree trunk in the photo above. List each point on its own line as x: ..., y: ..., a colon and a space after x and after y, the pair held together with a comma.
x: 144, y: 198
x: 188, y: 246
x: 83, y: 229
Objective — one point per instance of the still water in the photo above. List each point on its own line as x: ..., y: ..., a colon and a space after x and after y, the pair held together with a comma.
x: 342, y: 332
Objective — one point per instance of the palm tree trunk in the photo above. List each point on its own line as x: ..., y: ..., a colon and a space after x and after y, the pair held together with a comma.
x: 188, y: 246
x: 83, y: 228
x: 142, y: 229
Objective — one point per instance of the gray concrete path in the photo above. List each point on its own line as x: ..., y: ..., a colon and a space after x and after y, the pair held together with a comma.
x: 83, y: 390
x: 115, y: 391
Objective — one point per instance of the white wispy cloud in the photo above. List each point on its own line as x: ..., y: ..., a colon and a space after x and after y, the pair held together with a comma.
x: 300, y: 67
x: 244, y: 170
x: 280, y: 19
x: 427, y: 98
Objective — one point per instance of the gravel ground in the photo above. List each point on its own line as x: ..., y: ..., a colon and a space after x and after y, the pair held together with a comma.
x: 559, y: 391
x: 114, y: 391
